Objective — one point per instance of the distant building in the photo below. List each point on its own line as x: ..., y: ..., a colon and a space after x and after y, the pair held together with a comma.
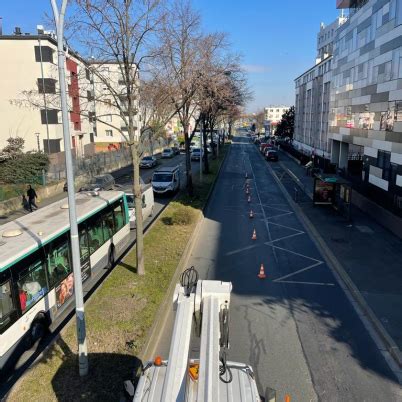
x: 30, y: 101
x: 272, y: 116
x: 313, y: 97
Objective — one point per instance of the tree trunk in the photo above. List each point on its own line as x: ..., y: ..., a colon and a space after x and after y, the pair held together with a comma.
x: 189, y: 176
x: 205, y: 139
x: 138, y: 212
x: 213, y: 146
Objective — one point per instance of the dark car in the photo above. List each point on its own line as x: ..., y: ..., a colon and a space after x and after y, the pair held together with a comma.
x: 271, y: 155
x: 176, y: 150
x: 148, y: 162
x: 102, y: 182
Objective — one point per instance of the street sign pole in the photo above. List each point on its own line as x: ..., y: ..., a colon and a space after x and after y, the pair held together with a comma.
x: 75, y: 248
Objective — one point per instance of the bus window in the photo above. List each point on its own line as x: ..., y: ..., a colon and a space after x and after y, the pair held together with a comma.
x: 7, y: 306
x: 95, y: 234
x: 58, y: 261
x: 108, y: 225
x: 32, y: 285
x: 84, y: 246
x: 118, y: 216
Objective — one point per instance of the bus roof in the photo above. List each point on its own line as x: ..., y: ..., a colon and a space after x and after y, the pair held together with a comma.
x: 45, y: 224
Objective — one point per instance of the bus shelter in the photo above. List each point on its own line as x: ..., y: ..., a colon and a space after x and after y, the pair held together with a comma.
x: 334, y: 191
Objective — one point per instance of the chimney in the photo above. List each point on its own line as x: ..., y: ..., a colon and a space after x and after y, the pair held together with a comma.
x: 17, y: 31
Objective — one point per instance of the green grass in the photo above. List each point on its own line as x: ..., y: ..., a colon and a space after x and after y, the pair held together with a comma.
x: 119, y: 314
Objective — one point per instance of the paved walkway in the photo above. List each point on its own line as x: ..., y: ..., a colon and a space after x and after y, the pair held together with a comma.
x: 368, y: 252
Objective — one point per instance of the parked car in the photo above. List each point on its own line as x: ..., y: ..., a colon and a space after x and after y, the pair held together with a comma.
x: 148, y: 162
x: 271, y: 155
x: 102, y: 182
x: 176, y: 150
x: 166, y: 180
x: 167, y: 153
x: 196, y: 154
x: 147, y: 204
x: 263, y: 146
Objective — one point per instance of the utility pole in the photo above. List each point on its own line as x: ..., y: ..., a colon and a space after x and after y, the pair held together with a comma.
x: 75, y: 247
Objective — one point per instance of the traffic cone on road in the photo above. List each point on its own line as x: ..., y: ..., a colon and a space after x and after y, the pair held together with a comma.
x: 247, y: 191
x: 254, y: 236
x: 251, y: 214
x: 249, y: 199
x: 262, y: 275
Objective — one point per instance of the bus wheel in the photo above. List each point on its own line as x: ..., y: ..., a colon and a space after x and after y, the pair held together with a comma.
x: 111, y: 258
x: 37, y: 331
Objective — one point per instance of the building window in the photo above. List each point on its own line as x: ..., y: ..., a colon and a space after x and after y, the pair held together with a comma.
x: 49, y: 116
x: 109, y: 133
x: 90, y: 96
x: 47, y: 54
x: 46, y: 85
x: 383, y: 159
x: 108, y: 118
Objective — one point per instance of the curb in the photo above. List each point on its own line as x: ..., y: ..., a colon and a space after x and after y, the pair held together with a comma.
x: 337, y: 268
x: 162, y: 314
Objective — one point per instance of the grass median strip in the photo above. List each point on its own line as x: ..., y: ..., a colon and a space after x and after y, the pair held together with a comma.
x: 119, y: 314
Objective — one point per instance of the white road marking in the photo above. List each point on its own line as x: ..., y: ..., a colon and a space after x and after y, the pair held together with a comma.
x: 298, y: 271
x: 240, y: 250
x: 306, y: 283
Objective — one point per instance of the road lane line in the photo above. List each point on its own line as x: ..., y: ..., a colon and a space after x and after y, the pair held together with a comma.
x: 297, y: 272
x: 307, y: 283
x: 239, y: 250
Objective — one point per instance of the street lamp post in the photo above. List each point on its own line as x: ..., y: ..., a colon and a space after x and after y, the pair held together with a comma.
x: 75, y: 248
x: 37, y: 141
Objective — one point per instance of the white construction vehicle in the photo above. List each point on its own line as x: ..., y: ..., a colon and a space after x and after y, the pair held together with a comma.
x: 210, y: 378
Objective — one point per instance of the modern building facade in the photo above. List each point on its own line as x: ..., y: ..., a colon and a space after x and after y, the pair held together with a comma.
x: 313, y: 96
x: 272, y: 116
x: 366, y: 94
x: 30, y: 101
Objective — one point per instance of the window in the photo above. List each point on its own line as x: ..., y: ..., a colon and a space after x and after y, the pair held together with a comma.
x: 119, y: 216
x: 108, y: 225
x: 46, y: 85
x: 90, y: 96
x: 109, y: 133
x: 84, y: 245
x: 7, y: 305
x: 58, y: 260
x: 32, y: 284
x: 108, y: 118
x: 47, y: 54
x: 383, y: 159
x: 49, y: 116
x: 88, y: 74
x: 95, y: 234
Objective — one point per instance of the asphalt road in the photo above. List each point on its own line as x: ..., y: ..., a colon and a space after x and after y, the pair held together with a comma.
x: 123, y: 178
x: 296, y: 328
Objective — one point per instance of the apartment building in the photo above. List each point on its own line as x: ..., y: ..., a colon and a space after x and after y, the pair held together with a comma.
x: 272, y: 116
x: 313, y: 96
x: 30, y: 101
x: 366, y: 94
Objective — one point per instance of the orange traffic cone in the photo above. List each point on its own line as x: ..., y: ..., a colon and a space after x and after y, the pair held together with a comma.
x: 251, y: 214
x: 254, y: 236
x: 287, y: 398
x: 262, y: 275
x: 249, y: 199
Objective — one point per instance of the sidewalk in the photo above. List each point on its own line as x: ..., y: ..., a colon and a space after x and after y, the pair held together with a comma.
x: 369, y: 254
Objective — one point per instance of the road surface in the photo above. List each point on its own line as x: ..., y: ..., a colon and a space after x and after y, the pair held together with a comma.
x: 296, y: 328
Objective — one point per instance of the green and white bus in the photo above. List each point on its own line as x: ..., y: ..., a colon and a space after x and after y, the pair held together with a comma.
x: 36, y: 278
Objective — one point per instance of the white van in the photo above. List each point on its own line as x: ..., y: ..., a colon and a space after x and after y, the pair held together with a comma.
x: 166, y: 180
x: 147, y: 204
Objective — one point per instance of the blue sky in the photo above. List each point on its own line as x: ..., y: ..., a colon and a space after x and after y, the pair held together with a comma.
x: 277, y: 38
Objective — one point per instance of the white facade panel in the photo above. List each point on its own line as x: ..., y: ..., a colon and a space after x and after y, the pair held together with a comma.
x: 396, y: 158
x: 373, y: 152
x: 376, y: 181
x: 399, y: 180
x: 383, y: 145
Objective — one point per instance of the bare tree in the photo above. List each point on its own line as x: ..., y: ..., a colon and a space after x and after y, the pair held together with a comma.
x: 118, y: 36
x: 181, y: 67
